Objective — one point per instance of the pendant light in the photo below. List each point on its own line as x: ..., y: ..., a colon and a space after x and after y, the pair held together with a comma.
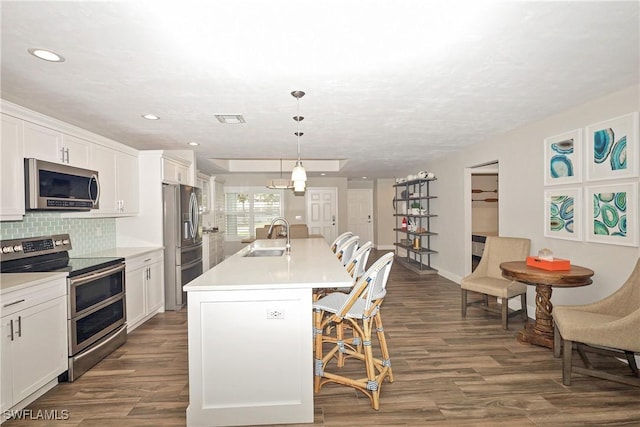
x: 298, y: 174
x: 280, y: 184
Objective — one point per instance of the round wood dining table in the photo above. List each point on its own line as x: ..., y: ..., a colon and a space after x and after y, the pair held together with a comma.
x: 541, y: 331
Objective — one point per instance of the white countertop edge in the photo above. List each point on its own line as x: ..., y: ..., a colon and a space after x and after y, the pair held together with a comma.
x: 311, y: 264
x: 122, y: 252
x: 10, y: 282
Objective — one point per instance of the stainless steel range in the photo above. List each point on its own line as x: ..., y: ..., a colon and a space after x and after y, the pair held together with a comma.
x: 96, y: 295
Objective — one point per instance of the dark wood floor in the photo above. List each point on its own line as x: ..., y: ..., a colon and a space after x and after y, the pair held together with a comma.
x: 448, y: 371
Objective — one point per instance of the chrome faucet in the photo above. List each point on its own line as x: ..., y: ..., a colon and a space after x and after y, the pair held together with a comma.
x: 286, y: 224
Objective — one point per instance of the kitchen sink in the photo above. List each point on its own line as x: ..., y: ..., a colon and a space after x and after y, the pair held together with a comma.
x: 265, y: 252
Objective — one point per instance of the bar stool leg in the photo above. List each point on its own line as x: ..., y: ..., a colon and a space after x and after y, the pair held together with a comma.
x: 386, y: 359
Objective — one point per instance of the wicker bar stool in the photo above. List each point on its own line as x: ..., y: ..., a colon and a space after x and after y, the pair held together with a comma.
x: 360, y: 310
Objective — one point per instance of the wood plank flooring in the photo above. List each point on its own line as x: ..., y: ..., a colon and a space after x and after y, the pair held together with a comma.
x: 448, y: 372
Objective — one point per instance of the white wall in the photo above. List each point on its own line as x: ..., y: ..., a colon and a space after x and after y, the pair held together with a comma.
x: 521, y: 208
x: 384, y: 221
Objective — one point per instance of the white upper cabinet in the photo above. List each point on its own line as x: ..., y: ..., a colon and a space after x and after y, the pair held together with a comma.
x: 11, y: 169
x: 127, y: 183
x: 53, y: 146
x: 202, y: 182
x: 118, y: 175
x: 176, y: 172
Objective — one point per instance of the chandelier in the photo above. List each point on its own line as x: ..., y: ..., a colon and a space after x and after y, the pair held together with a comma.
x: 298, y: 174
x: 281, y: 183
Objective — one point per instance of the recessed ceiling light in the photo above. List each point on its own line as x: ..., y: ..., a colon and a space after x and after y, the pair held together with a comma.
x: 322, y: 174
x: 45, y: 54
x: 195, y: 144
x: 150, y: 117
x: 364, y: 177
x: 230, y: 118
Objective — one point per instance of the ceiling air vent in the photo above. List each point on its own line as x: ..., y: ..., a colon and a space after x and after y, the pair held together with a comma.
x: 230, y: 119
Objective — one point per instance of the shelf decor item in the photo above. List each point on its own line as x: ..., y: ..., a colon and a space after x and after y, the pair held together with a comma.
x: 612, y: 148
x: 563, y: 158
x: 555, y: 264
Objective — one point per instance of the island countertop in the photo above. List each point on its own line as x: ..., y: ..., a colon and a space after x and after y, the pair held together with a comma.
x: 311, y: 264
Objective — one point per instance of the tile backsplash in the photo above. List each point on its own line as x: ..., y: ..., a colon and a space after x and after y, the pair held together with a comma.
x: 87, y: 234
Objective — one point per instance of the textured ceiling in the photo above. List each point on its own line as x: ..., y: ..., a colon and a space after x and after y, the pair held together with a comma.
x: 390, y: 85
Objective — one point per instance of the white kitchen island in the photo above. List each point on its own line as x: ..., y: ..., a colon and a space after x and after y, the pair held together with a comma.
x: 251, y: 334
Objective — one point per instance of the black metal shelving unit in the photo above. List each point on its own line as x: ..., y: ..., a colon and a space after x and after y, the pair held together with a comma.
x: 413, y: 243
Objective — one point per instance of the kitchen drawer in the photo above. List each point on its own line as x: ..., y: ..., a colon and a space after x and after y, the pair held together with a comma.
x: 13, y: 302
x: 139, y: 261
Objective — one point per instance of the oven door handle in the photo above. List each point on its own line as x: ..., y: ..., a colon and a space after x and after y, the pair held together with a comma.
x: 97, y: 275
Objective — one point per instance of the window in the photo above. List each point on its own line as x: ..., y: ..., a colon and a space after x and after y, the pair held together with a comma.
x: 249, y: 208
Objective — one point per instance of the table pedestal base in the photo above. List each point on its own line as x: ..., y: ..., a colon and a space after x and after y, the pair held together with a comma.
x: 530, y: 336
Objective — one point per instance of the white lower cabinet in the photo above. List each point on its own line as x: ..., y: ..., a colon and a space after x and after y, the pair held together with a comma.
x: 212, y: 250
x: 144, y: 287
x: 34, y: 342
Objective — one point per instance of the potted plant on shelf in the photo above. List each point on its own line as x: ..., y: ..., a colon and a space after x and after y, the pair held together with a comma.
x: 415, y: 208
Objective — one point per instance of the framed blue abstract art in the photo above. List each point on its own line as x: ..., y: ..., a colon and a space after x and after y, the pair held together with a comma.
x: 563, y: 158
x: 612, y: 148
x: 562, y: 219
x: 611, y: 212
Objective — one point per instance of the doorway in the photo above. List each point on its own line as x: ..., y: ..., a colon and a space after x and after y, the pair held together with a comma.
x: 322, y: 212
x: 482, y: 207
x: 360, y: 213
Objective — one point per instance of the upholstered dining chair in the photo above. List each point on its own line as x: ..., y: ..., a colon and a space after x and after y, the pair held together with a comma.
x: 487, y: 278
x: 610, y: 327
x: 339, y: 240
x: 360, y: 310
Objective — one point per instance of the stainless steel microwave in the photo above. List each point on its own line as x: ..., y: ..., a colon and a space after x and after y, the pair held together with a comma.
x: 53, y: 186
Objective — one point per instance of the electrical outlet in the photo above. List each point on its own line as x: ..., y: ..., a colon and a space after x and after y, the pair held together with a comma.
x: 275, y: 313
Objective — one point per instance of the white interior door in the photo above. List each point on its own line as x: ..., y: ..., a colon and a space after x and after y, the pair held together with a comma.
x: 322, y: 212
x: 361, y: 213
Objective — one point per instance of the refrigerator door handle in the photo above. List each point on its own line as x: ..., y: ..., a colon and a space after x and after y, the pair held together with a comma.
x: 192, y: 201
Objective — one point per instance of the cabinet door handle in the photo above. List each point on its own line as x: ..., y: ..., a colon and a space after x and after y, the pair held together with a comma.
x: 11, y: 327
x: 19, y: 326
x: 67, y: 151
x: 62, y: 155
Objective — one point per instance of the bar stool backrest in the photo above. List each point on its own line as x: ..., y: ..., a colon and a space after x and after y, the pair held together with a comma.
x: 371, y: 287
x: 358, y: 264
x: 347, y: 249
x: 339, y: 240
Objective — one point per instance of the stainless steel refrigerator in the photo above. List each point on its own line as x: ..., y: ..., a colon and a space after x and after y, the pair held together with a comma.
x: 182, y: 241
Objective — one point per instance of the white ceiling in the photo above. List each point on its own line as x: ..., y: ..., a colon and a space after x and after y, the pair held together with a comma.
x: 390, y: 85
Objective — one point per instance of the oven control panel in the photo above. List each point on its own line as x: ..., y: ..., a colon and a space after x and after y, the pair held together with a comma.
x: 33, y: 246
